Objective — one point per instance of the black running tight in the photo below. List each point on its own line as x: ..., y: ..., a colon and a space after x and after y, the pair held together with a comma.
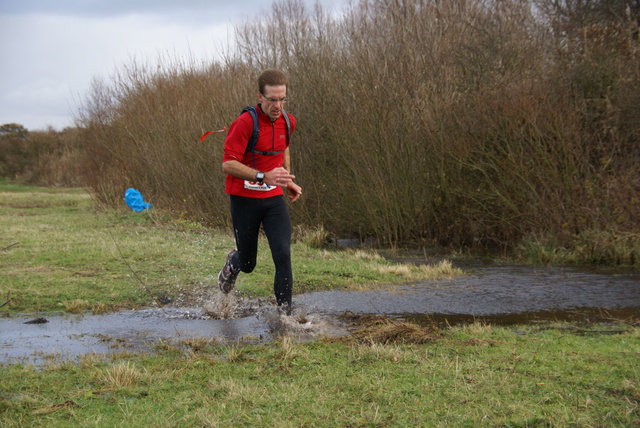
x: 272, y: 213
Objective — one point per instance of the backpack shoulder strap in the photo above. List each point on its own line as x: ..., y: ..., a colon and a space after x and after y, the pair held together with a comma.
x: 256, y: 129
x: 288, y: 122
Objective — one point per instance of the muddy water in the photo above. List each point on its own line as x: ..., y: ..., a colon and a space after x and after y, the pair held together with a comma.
x: 64, y: 337
x: 67, y: 336
x: 499, y: 294
x: 492, y: 291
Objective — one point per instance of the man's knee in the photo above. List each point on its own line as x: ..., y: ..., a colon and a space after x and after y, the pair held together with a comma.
x: 281, y: 255
x: 248, y: 267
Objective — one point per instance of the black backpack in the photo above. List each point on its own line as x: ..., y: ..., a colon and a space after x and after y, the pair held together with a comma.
x: 251, y: 146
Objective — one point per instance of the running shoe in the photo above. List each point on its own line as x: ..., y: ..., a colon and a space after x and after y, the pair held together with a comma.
x: 227, y: 276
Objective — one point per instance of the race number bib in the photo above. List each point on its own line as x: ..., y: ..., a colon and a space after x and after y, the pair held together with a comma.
x: 254, y: 185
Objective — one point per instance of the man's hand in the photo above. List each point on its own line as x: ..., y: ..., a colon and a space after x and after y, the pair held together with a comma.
x: 278, y: 177
x: 294, y: 191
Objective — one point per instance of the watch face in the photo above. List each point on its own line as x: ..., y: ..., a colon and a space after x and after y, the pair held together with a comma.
x: 260, y: 176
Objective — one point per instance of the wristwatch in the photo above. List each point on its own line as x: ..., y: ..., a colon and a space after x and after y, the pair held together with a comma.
x: 260, y: 177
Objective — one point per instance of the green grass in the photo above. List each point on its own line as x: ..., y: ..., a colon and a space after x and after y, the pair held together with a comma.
x: 70, y: 256
x: 469, y: 376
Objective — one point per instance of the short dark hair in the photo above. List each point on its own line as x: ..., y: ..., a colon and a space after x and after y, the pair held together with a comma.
x: 271, y: 78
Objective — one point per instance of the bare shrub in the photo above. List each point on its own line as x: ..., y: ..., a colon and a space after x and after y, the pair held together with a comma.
x: 468, y: 122
x: 14, y: 150
x: 46, y: 158
x: 149, y: 137
x: 60, y: 160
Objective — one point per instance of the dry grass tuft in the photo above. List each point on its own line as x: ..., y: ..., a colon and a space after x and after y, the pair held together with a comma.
x: 290, y: 349
x: 101, y: 309
x: 235, y: 354
x: 441, y: 270
x: 366, y: 255
x: 382, y: 330
x: 477, y: 328
x: 400, y: 270
x: 198, y: 344
x: 122, y: 375
x: 76, y: 306
x: 166, y: 346
x: 237, y: 390
x: 378, y: 352
x: 90, y: 360
x: 312, y: 237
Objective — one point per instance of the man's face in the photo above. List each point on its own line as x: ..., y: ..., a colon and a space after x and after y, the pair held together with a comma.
x: 273, y: 100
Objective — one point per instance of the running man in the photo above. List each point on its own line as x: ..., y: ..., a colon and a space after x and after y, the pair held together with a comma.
x: 256, y: 183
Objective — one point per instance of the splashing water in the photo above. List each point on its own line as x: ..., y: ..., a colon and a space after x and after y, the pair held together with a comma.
x: 222, y: 306
x: 301, y: 324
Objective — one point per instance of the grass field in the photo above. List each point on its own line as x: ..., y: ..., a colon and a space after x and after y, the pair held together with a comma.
x: 70, y: 256
x: 530, y: 376
x: 60, y: 253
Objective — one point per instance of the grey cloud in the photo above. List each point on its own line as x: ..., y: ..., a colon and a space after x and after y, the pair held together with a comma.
x: 111, y: 8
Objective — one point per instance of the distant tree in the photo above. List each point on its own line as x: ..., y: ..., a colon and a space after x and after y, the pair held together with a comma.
x: 14, y: 149
x: 14, y: 129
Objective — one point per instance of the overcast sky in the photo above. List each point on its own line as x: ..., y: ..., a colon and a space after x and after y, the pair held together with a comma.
x: 51, y: 50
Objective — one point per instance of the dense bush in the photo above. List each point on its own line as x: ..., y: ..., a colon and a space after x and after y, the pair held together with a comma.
x: 461, y: 122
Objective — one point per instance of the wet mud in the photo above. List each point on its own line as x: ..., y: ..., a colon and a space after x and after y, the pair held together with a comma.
x: 491, y: 293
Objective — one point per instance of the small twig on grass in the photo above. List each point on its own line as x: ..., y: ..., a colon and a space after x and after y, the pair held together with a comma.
x: 135, y: 274
x: 9, y: 246
x: 5, y: 302
x: 55, y: 407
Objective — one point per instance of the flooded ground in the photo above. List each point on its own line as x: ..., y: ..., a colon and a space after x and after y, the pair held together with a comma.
x: 494, y: 293
x: 509, y: 292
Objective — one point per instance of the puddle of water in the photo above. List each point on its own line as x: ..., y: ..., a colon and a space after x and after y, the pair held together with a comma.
x: 224, y: 318
x: 69, y: 336
x: 495, y: 294
x: 490, y: 291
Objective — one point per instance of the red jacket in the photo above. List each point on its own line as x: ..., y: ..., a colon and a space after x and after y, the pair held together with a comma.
x: 273, y: 137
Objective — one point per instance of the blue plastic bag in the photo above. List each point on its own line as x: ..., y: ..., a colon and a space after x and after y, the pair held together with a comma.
x: 135, y: 200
